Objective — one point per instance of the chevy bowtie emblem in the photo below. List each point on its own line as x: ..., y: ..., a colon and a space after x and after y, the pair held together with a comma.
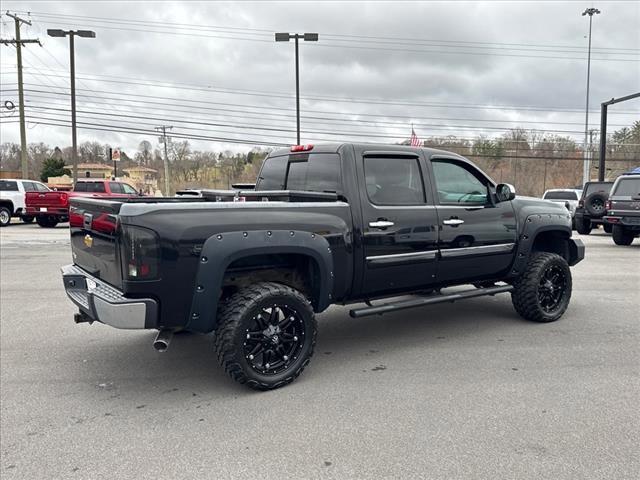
x: 88, y: 241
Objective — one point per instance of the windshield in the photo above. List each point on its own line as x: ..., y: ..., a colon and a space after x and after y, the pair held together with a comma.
x: 561, y: 196
x: 628, y: 187
x: 598, y: 187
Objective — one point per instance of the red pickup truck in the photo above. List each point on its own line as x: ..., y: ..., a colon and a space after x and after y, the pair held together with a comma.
x: 50, y: 208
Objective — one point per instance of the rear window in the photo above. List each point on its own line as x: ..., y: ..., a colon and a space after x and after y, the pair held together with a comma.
x: 8, y: 186
x: 560, y: 196
x: 627, y: 187
x: 598, y: 187
x: 315, y: 172
x: 94, y: 187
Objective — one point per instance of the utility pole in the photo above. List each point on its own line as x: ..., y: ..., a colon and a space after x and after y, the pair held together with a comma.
x: 18, y: 42
x: 163, y: 129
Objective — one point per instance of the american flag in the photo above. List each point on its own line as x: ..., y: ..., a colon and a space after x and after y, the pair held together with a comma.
x: 415, y: 141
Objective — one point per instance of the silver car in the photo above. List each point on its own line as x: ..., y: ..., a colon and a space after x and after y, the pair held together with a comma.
x: 566, y: 196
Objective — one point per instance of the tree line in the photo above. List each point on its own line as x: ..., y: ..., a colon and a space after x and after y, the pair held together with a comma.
x: 529, y: 159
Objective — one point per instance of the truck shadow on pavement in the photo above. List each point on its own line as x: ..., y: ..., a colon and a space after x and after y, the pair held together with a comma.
x: 190, y: 364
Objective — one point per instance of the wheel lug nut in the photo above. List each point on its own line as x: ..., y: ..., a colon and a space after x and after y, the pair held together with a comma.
x: 267, y: 365
x: 295, y: 339
x: 285, y: 358
x: 250, y: 357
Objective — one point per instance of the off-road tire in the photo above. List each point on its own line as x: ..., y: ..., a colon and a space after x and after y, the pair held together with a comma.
x: 27, y: 218
x: 621, y: 236
x: 46, y: 221
x: 584, y: 227
x: 5, y: 216
x: 607, y: 227
x: 238, y: 311
x: 525, y: 297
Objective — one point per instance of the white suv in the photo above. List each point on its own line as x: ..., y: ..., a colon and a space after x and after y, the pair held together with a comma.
x: 12, y: 198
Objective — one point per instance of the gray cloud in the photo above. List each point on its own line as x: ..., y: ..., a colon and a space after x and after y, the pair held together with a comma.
x: 406, y: 71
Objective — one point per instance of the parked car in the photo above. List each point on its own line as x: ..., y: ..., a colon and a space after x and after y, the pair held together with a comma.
x: 331, y: 224
x: 568, y: 197
x: 12, y: 198
x: 592, y: 207
x: 52, y: 207
x: 623, y: 209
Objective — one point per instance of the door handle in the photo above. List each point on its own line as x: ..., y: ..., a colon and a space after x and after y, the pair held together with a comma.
x: 381, y: 224
x: 453, y: 221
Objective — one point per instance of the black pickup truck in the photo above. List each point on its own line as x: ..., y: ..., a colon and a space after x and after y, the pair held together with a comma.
x: 330, y: 224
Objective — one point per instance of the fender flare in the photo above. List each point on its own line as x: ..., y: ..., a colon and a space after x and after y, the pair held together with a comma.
x: 532, y: 226
x: 221, y: 250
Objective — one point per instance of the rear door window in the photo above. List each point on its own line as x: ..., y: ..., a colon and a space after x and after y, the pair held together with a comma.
x: 8, y: 186
x: 116, y: 187
x: 394, y: 181
x: 29, y: 186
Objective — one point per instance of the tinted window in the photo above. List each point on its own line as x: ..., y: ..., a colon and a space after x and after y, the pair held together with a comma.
x: 458, y: 184
x: 597, y: 187
x: 41, y: 188
x: 560, y: 196
x: 29, y: 186
x: 272, y: 174
x: 8, y: 186
x: 393, y: 181
x: 628, y: 187
x: 128, y: 189
x: 94, y: 187
x: 316, y: 172
x: 116, y: 187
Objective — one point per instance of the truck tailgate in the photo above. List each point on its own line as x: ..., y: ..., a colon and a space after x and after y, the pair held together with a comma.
x: 95, y: 238
x: 44, y: 200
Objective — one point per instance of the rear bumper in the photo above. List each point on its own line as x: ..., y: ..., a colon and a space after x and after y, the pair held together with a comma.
x: 105, y: 304
x: 632, y: 223
x: 576, y: 251
x: 59, y: 211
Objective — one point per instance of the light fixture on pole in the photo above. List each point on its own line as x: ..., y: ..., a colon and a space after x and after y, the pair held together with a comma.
x: 72, y: 64
x: 307, y: 37
x: 585, y: 165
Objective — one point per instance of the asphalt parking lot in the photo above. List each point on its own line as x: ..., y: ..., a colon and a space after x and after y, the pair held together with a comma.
x: 467, y: 390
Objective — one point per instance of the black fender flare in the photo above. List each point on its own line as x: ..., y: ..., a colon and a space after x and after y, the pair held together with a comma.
x: 221, y: 250
x: 532, y: 226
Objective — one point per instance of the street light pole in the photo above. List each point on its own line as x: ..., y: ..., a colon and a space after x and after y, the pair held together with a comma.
x: 585, y: 153
x: 72, y: 66
x: 307, y: 37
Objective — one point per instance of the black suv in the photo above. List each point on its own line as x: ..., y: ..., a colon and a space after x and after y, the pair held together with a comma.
x: 592, y: 207
x: 623, y: 209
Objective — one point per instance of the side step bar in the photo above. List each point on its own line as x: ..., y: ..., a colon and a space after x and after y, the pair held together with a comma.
x: 433, y: 299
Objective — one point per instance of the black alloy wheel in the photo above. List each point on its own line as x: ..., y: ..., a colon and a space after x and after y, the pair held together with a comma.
x: 266, y: 335
x: 543, y: 291
x: 551, y: 288
x: 274, y: 339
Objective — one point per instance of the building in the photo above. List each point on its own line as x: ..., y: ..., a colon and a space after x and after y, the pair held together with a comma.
x: 144, y: 179
x: 93, y: 170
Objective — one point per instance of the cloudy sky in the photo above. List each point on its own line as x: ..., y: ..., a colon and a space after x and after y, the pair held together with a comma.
x: 213, y: 71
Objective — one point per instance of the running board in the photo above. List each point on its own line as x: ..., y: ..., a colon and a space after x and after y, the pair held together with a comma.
x: 433, y: 299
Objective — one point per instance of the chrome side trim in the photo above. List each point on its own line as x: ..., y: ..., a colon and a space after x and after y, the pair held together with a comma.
x: 426, y: 254
x: 461, y: 252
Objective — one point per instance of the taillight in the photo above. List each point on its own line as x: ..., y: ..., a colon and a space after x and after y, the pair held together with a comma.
x: 608, y: 205
x: 64, y: 198
x: 301, y: 148
x: 581, y: 203
x: 141, y: 253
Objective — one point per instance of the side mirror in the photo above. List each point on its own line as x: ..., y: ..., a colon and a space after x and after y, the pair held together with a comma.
x: 505, y: 192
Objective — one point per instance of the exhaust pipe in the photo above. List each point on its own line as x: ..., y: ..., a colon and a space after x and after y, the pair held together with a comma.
x: 161, y: 343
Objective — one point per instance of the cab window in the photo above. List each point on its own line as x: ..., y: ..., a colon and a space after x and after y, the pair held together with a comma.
x: 116, y: 187
x: 459, y: 184
x: 128, y: 189
x: 394, y: 181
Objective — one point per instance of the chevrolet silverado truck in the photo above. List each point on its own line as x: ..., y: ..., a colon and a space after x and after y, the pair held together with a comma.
x: 623, y: 209
x: 331, y: 224
x: 12, y: 199
x: 52, y: 207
